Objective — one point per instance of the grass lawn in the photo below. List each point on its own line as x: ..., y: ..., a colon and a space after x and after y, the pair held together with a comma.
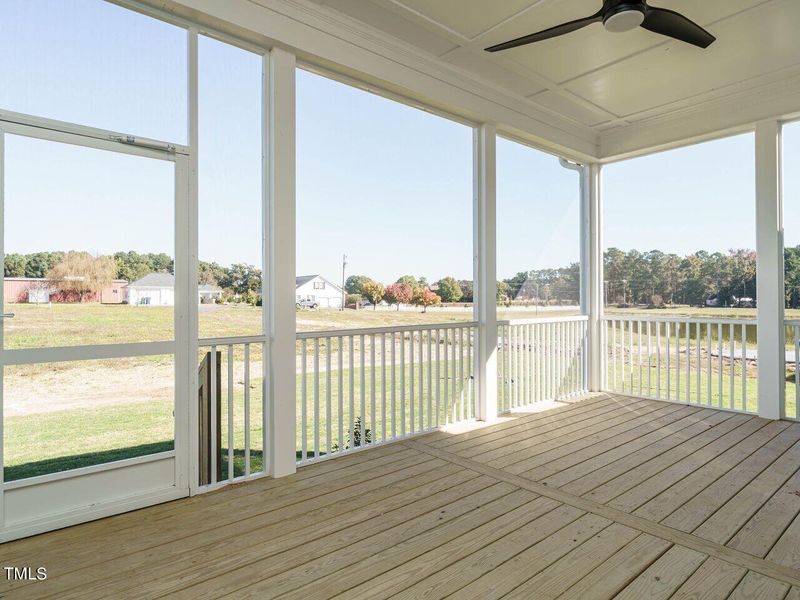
x: 77, y: 414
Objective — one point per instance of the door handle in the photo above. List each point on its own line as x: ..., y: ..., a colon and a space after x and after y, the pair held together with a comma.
x: 7, y: 316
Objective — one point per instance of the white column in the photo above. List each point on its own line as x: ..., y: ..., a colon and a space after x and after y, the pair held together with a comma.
x: 189, y: 462
x: 593, y: 193
x: 485, y: 269
x: 769, y: 269
x: 280, y: 259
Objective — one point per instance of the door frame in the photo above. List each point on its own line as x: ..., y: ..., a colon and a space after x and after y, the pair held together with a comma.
x: 156, y: 466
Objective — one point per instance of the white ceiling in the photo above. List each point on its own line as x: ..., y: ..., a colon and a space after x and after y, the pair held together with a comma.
x: 606, y: 82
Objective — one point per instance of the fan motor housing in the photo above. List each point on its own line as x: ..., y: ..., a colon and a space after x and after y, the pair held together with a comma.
x: 623, y: 17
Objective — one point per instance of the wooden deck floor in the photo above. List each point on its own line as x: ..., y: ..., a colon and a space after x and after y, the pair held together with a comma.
x: 609, y: 497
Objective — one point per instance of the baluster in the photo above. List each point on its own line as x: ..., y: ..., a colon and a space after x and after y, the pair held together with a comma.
x: 340, y: 392
x: 230, y: 412
x: 214, y: 416
x: 316, y: 398
x: 328, y: 411
x: 412, y: 424
x: 394, y: 407
x: 402, y: 384
x: 372, y: 390
x: 688, y: 362
x: 438, y: 377
x: 744, y: 366
x: 732, y: 348
x: 363, y: 395
x: 352, y: 390
x: 454, y: 384
x: 614, y: 353
x: 383, y: 387
x: 247, y: 410
x: 719, y: 362
x: 420, y: 384
x: 430, y: 382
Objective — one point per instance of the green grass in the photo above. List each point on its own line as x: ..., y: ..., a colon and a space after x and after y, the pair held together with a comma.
x: 42, y: 443
x: 48, y: 442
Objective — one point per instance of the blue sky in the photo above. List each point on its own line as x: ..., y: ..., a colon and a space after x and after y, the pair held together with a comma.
x: 387, y: 184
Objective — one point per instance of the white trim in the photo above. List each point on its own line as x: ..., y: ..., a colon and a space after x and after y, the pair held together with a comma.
x: 58, y: 132
x: 676, y: 319
x: 383, y: 93
x: 282, y: 277
x: 702, y: 121
x: 595, y: 303
x: 310, y: 335
x: 80, y: 472
x: 27, y: 356
x: 92, y: 513
x: 82, y: 135
x: 769, y: 272
x: 484, y: 223
x: 537, y: 320
x: 192, y: 425
x: 266, y: 264
x: 185, y: 316
x: 232, y: 341
x: 333, y: 41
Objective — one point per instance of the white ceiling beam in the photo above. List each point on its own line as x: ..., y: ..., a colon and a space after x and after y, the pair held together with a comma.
x: 337, y: 42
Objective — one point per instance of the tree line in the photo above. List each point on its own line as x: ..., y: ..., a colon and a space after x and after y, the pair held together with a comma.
x: 80, y: 273
x: 652, y: 278
x: 633, y: 277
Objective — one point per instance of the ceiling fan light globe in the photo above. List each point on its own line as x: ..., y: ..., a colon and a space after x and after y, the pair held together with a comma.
x: 624, y: 20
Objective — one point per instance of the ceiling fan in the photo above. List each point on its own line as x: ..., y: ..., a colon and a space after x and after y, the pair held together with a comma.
x: 623, y: 15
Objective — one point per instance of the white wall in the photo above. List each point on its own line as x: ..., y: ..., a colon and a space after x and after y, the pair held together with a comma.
x: 330, y: 297
x: 157, y: 296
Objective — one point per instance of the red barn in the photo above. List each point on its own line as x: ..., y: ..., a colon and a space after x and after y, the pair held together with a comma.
x: 29, y: 289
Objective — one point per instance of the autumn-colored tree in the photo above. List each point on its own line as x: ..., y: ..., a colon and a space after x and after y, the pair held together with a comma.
x: 83, y: 274
x: 373, y: 291
x: 425, y: 297
x: 398, y: 293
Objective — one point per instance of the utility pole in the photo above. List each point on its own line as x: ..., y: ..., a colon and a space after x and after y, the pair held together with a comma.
x: 344, y: 265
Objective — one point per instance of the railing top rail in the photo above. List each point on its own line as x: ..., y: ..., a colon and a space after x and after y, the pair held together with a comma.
x: 794, y: 322
x: 232, y: 340
x: 565, y: 319
x: 680, y: 319
x: 332, y: 333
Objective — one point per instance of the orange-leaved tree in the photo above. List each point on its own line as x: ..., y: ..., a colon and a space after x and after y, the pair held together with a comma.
x: 398, y: 293
x: 425, y: 297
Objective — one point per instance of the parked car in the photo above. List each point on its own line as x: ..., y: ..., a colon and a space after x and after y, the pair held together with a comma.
x: 306, y: 303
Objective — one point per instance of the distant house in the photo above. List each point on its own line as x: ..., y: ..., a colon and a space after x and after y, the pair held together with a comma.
x: 318, y: 289
x: 36, y: 290
x: 158, y: 289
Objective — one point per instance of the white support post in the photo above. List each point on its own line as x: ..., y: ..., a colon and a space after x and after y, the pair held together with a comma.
x: 188, y: 461
x: 593, y: 216
x: 769, y: 270
x: 485, y: 269
x: 280, y: 259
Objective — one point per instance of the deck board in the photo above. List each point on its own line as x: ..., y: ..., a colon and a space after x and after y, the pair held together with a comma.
x: 609, y: 497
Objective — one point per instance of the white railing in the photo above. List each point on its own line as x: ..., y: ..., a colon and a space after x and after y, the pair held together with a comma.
x: 707, y: 362
x: 362, y: 387
x: 541, y: 359
x: 231, y: 369
x: 791, y: 408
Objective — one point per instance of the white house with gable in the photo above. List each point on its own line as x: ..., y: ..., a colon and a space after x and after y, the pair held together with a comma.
x: 318, y: 289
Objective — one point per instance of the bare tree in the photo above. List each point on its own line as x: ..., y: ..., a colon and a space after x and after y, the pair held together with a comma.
x: 82, y: 274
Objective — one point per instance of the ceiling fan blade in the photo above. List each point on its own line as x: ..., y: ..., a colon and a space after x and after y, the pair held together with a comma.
x: 675, y: 25
x: 548, y: 33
